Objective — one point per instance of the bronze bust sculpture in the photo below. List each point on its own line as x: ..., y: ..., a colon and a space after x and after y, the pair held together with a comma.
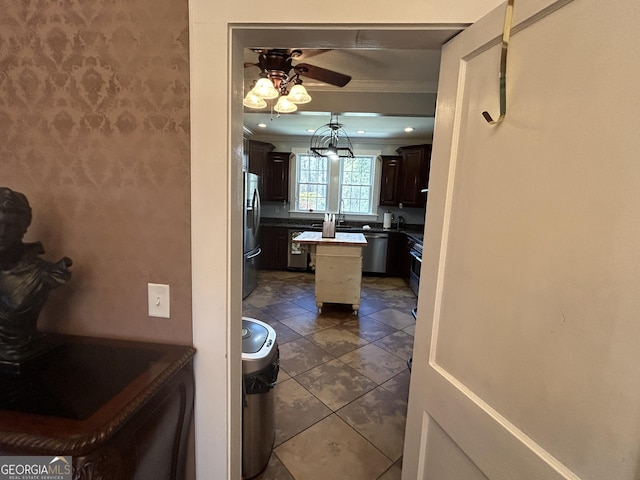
x: 25, y: 281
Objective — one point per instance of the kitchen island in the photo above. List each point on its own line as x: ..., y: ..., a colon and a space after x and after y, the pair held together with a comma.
x: 337, y: 263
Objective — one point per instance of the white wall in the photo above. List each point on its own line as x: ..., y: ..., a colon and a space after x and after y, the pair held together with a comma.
x: 216, y: 131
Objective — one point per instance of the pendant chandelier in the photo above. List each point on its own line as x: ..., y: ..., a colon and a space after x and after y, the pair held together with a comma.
x: 331, y: 141
x: 269, y: 87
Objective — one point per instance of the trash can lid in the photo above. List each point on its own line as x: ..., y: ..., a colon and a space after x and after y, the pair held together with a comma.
x: 253, y: 336
x: 259, y: 347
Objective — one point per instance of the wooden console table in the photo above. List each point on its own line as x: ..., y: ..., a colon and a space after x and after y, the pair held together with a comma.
x: 338, y: 267
x: 121, y: 409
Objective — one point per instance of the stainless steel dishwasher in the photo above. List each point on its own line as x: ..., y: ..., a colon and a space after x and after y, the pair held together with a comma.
x: 374, y: 255
x: 296, y: 255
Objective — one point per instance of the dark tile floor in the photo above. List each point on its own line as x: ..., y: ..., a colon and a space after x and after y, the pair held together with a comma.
x: 341, y: 396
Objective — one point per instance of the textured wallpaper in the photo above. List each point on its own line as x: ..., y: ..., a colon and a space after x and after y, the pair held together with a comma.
x: 94, y: 130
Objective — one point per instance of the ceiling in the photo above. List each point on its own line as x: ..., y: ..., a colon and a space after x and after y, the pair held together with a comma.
x: 390, y: 89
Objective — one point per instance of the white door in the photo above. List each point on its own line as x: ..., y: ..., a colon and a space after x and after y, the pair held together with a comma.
x: 527, y: 351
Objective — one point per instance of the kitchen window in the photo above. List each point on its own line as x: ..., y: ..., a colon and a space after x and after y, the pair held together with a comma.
x: 313, y: 183
x: 356, y: 184
x: 348, y: 185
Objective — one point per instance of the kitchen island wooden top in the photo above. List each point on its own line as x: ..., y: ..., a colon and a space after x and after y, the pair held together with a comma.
x: 341, y: 238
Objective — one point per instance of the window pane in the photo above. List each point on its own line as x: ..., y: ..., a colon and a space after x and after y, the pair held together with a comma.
x: 312, y: 183
x: 356, y: 179
x: 354, y: 191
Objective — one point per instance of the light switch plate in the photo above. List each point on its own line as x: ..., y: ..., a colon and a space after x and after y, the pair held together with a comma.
x: 159, y: 300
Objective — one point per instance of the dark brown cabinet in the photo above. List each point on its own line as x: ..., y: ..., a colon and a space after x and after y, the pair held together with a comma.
x: 276, y: 172
x: 405, y: 177
x: 390, y: 177
x: 274, y: 242
x: 272, y: 168
x: 398, y: 258
x: 258, y: 161
x: 414, y: 176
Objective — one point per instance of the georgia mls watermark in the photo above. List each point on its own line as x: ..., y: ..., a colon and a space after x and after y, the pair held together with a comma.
x: 35, y: 468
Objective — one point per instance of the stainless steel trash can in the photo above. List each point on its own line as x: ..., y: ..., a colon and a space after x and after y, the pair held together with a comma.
x: 260, y: 365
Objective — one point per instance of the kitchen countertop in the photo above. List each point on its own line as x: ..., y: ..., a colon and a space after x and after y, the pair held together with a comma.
x: 341, y: 238
x: 349, y: 227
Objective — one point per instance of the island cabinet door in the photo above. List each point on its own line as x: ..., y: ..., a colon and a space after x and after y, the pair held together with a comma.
x: 338, y: 274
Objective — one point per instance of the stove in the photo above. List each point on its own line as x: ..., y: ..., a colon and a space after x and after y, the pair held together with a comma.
x: 415, y: 250
x: 415, y: 266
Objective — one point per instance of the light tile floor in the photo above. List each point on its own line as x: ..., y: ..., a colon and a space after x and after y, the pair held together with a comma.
x: 341, y: 395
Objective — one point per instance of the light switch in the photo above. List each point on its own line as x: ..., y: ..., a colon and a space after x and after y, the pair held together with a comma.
x: 159, y: 300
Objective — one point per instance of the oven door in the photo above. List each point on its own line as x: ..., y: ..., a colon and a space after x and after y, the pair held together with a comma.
x: 414, y: 271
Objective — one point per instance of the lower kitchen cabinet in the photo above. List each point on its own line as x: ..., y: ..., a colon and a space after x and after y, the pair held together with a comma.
x: 398, y: 258
x: 274, y: 242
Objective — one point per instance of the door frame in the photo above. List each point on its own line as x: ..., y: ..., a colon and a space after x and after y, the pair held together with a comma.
x: 344, y: 36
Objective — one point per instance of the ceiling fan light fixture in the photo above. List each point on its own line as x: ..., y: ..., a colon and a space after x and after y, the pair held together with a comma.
x: 277, y: 74
x: 251, y: 100
x: 284, y: 105
x: 298, y: 94
x: 264, y: 89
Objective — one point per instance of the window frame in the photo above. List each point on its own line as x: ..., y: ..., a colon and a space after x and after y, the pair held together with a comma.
x: 335, y: 187
x: 344, y: 203
x: 298, y: 183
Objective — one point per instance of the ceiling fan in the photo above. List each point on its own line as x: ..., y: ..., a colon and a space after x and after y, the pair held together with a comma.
x: 277, y: 66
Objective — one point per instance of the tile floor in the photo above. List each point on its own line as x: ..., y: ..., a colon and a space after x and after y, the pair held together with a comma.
x: 341, y: 396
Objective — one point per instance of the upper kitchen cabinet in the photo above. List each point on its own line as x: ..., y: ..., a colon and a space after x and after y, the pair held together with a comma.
x: 277, y: 177
x: 258, y: 161
x: 390, y: 178
x: 414, y: 175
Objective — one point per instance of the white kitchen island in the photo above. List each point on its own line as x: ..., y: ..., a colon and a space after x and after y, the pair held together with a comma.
x: 338, y: 267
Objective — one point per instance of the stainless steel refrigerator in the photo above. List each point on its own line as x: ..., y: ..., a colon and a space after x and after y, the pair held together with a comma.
x: 252, y: 248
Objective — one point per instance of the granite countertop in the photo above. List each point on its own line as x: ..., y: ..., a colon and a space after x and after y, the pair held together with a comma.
x: 341, y: 238
x: 350, y: 227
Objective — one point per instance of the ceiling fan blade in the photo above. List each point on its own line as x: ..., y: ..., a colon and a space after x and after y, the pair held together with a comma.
x: 322, y: 74
x: 250, y: 64
x: 305, y: 53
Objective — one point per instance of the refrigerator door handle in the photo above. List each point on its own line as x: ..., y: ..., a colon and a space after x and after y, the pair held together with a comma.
x: 256, y: 212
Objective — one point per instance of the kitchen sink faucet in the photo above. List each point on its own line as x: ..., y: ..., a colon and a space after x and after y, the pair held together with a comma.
x: 341, y: 212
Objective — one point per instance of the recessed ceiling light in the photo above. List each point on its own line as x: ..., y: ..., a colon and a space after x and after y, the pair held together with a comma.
x: 360, y: 131
x: 310, y: 130
x: 262, y: 125
x: 408, y: 129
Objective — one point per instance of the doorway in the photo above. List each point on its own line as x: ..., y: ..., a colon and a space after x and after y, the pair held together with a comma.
x: 347, y: 38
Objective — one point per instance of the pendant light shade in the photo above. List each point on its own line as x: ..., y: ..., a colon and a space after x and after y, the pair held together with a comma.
x: 298, y: 94
x: 264, y: 89
x: 284, y: 105
x: 253, y: 101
